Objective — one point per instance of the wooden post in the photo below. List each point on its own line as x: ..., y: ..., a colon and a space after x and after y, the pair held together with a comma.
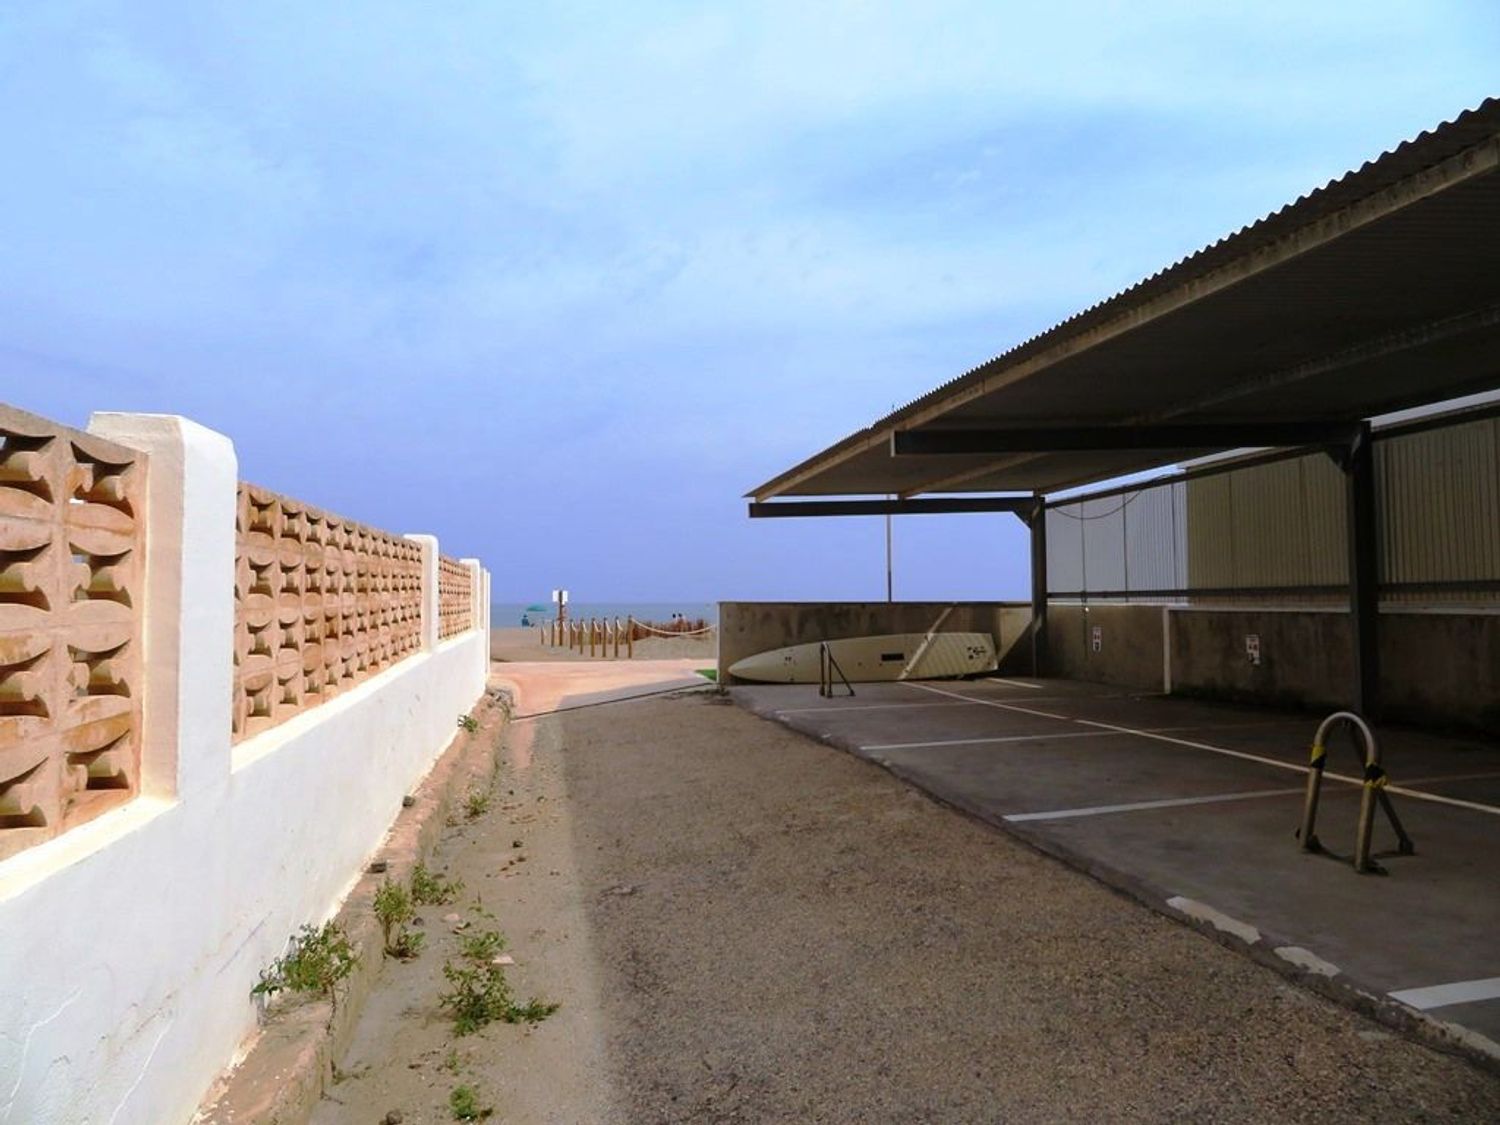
x: 630, y: 637
x: 617, y: 638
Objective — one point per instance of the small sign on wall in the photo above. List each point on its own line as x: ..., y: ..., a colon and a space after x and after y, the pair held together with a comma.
x: 1252, y: 648
x: 1096, y: 638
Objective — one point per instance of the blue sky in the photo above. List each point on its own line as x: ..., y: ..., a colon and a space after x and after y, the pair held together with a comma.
x: 559, y: 282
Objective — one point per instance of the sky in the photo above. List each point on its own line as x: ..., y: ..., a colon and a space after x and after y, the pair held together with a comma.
x: 559, y: 283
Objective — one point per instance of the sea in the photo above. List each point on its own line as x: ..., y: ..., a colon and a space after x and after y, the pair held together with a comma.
x: 508, y: 615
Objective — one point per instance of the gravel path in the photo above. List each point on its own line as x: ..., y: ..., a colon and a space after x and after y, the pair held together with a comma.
x: 743, y: 925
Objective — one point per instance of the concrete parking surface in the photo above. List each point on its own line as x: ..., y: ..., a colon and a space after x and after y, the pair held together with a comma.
x: 1193, y: 807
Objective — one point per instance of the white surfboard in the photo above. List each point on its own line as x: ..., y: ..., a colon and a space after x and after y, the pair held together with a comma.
x: 896, y: 656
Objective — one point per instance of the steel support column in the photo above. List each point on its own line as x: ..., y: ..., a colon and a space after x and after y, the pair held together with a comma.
x: 1364, y: 573
x: 1037, y: 521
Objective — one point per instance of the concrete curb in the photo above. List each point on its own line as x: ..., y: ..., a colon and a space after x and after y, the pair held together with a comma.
x: 1261, y: 946
x: 288, y: 1063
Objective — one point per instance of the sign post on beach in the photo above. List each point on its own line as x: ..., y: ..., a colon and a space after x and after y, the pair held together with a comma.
x: 560, y: 599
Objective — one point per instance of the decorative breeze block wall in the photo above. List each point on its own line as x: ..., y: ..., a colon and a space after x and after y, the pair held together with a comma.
x: 455, y: 598
x: 321, y: 604
x: 72, y: 534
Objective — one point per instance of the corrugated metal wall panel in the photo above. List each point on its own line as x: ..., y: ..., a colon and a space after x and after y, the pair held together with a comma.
x: 1325, y: 515
x: 1064, y: 549
x: 1441, y: 502
x: 1151, y: 540
x: 1270, y: 537
x: 1283, y: 524
x: 1210, y: 531
x: 1104, y: 543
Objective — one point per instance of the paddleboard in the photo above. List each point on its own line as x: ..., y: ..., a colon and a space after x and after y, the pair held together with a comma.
x: 896, y: 656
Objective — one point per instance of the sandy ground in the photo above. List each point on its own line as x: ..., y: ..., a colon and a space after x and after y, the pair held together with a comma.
x: 525, y: 645
x: 744, y: 925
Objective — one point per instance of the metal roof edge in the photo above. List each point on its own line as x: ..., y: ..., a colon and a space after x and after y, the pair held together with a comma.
x: 1470, y: 129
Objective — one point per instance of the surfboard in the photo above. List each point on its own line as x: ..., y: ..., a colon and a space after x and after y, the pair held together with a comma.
x: 896, y: 656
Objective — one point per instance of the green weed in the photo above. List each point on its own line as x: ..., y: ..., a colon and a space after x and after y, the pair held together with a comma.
x: 476, y: 804
x: 468, y: 723
x: 479, y: 993
x: 464, y: 1102
x: 317, y: 959
x: 431, y: 889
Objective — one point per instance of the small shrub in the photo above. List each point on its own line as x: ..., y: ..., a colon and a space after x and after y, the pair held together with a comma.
x: 408, y: 944
x: 451, y: 1062
x: 430, y: 889
x: 480, y: 994
x: 318, y: 958
x: 483, y: 946
x: 464, y: 1102
x: 468, y: 723
x: 476, y: 804
x: 393, y: 908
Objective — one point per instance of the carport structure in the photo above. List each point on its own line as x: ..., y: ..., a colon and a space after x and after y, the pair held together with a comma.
x: 1375, y: 294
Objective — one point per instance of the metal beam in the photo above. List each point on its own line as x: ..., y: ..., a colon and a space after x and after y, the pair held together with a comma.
x: 1020, y: 505
x: 1364, y: 574
x: 1093, y: 439
x: 1038, y: 525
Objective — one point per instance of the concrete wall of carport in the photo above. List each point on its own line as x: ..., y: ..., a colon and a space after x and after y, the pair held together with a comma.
x: 1130, y: 644
x: 746, y: 628
x: 1438, y: 669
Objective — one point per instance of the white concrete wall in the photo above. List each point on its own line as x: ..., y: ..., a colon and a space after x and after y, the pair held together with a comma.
x: 128, y: 947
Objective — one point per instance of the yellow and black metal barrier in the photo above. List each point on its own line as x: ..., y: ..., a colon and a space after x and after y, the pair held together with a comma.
x: 1374, y: 785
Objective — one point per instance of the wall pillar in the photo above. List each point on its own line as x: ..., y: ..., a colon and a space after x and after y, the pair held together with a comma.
x: 478, y: 606
x: 191, y: 498
x: 429, y: 545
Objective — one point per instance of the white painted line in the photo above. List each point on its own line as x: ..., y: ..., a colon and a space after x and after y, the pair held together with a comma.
x: 1441, y: 995
x: 1438, y: 779
x: 1013, y: 683
x: 1293, y: 766
x: 1242, y: 755
x: 861, y: 707
x: 1436, y: 799
x: 985, y: 741
x: 1215, y: 918
x: 1275, y: 763
x: 1165, y: 803
x: 987, y: 702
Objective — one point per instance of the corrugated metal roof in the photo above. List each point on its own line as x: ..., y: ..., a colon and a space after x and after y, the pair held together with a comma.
x: 1375, y: 184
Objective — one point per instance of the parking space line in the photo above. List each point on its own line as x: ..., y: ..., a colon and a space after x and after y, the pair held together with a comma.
x: 1012, y: 683
x: 1441, y: 995
x: 1437, y: 779
x: 1435, y: 798
x: 988, y: 702
x: 1275, y: 763
x: 986, y: 741
x: 863, y: 707
x: 1165, y: 803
